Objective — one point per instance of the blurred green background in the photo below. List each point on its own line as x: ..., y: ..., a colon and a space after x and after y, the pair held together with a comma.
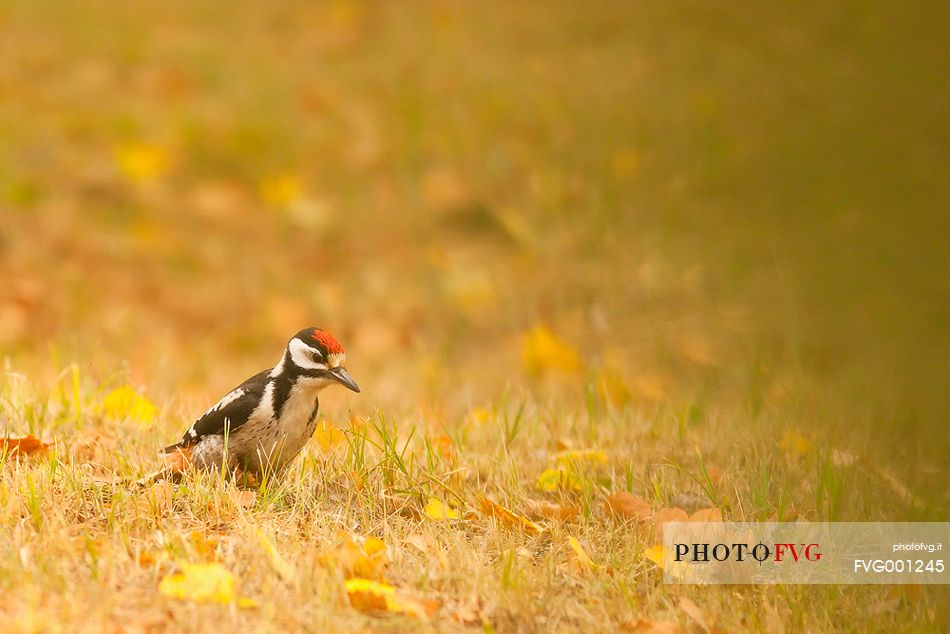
x: 731, y: 205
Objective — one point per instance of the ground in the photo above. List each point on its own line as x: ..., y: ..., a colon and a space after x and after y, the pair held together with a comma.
x: 685, y: 252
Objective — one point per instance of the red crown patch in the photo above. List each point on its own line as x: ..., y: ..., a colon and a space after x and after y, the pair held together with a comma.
x: 327, y: 340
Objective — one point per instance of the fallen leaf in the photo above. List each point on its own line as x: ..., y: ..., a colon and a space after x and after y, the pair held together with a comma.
x: 242, y: 498
x: 559, y: 480
x: 477, y: 416
x: 555, y: 511
x: 141, y: 162
x: 206, y: 547
x: 583, y: 559
x: 418, y: 541
x: 280, y: 565
x: 124, y: 403
x: 706, y: 515
x: 692, y: 611
x: 629, y: 506
x: 368, y: 595
x: 201, y: 583
x: 669, y: 514
x: 654, y: 554
x: 22, y: 446
x: 328, y: 437
x: 367, y: 560
x: 580, y: 456
x: 445, y: 446
x: 504, y: 516
x: 280, y: 190
x: 543, y: 352
x: 147, y: 557
x: 436, y: 510
x: 649, y: 626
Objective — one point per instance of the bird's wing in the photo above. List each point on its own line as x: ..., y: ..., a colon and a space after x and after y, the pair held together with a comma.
x: 228, y: 414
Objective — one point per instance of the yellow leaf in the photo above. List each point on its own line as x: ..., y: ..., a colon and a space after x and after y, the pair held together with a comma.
x: 367, y: 595
x: 508, y: 517
x: 354, y: 560
x: 328, y: 436
x: 438, y: 511
x: 543, y: 352
x: 654, y: 554
x: 477, y: 416
x: 559, y: 479
x: 280, y: 190
x: 280, y: 565
x: 201, y: 583
x: 795, y: 444
x: 141, y: 162
x: 582, y: 557
x: 124, y: 403
x: 246, y: 603
x: 579, y: 456
x: 205, y: 547
x: 657, y: 553
x: 374, y: 545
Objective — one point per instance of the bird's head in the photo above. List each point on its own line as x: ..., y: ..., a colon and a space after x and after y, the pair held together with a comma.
x: 317, y: 357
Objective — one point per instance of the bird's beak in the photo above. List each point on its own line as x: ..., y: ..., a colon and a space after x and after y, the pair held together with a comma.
x: 340, y: 374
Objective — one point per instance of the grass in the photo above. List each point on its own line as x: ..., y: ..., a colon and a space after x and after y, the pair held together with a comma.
x: 85, y: 547
x: 718, y: 229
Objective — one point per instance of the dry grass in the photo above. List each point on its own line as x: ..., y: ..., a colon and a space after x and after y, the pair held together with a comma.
x: 86, y: 550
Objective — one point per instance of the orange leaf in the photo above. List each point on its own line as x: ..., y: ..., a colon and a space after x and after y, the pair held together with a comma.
x: 507, y: 517
x: 554, y: 511
x: 354, y: 560
x: 629, y: 506
x: 664, y: 515
x: 649, y: 626
x: 706, y: 515
x: 367, y: 595
x: 22, y: 445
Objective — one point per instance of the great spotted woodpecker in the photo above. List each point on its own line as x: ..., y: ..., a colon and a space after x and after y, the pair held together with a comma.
x: 262, y: 424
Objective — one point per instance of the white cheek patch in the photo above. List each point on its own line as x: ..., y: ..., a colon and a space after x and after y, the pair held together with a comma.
x: 300, y: 354
x: 336, y: 360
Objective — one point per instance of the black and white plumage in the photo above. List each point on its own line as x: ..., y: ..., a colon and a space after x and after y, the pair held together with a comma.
x: 263, y: 423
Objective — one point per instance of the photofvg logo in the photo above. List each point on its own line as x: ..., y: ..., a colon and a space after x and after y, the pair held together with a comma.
x: 741, y: 552
x: 804, y: 553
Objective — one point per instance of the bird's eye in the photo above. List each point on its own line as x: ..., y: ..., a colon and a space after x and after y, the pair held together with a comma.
x: 316, y: 357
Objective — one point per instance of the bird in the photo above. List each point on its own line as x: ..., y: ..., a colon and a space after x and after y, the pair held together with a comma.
x: 261, y: 425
